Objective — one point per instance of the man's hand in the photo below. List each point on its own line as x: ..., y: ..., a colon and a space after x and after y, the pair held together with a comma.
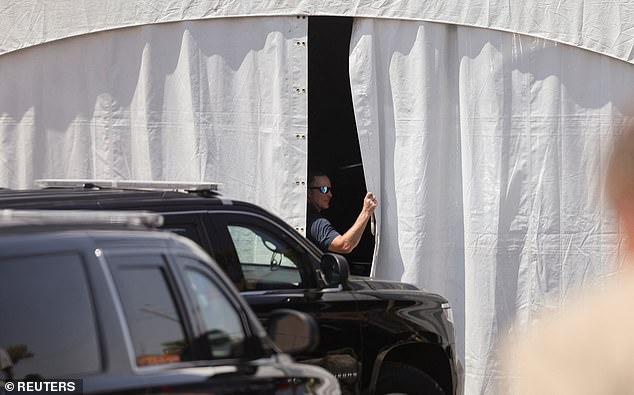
x: 369, y: 203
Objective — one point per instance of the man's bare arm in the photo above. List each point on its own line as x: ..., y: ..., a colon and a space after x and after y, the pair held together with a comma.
x: 346, y: 242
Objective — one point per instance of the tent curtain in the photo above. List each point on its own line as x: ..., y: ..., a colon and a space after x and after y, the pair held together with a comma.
x: 218, y: 100
x: 487, y: 151
x: 598, y: 25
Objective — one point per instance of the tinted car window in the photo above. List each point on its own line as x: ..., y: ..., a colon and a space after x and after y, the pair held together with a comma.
x: 187, y: 225
x: 193, y: 227
x: 267, y: 262
x: 47, y: 292
x: 223, y: 330
x: 153, y: 320
x: 191, y: 231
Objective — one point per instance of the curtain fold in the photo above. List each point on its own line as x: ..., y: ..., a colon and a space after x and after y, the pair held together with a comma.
x: 219, y: 100
x: 487, y: 149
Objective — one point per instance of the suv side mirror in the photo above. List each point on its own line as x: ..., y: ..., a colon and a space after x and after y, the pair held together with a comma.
x: 293, y: 331
x: 335, y: 269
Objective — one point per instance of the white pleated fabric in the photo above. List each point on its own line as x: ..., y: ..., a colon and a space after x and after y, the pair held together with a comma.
x: 485, y: 147
x: 221, y: 100
x: 486, y: 150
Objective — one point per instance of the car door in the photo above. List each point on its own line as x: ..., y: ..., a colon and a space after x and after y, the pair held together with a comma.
x: 226, y: 330
x: 193, y: 225
x: 162, y: 311
x: 279, y: 273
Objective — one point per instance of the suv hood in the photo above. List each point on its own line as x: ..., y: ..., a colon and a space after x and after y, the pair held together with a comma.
x: 358, y: 283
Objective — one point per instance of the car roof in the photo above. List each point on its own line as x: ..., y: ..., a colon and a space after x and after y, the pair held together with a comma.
x: 111, y: 198
x: 58, y: 229
x: 7, y: 196
x: 10, y: 218
x: 61, y: 234
x: 88, y: 198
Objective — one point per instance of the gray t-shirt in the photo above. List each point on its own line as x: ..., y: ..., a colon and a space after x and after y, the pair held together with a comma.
x: 320, y: 230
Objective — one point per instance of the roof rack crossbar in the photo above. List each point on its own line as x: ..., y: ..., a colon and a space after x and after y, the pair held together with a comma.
x: 132, y: 219
x: 131, y: 184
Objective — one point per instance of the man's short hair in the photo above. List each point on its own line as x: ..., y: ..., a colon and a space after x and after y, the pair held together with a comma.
x: 313, y: 174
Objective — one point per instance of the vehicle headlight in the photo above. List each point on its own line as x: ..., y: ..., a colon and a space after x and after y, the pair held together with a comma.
x: 447, y: 312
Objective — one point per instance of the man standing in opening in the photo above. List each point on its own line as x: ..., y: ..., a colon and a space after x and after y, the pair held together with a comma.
x: 319, y: 230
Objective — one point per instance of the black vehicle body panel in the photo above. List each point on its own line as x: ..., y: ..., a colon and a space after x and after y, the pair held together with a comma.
x: 260, y: 371
x: 363, y: 323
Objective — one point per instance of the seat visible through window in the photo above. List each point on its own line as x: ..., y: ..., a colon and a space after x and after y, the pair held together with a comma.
x: 267, y: 262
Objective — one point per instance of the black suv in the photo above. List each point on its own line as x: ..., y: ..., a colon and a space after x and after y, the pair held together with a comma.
x: 377, y: 337
x: 102, y: 298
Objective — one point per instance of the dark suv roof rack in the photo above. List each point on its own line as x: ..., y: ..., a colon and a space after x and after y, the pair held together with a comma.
x: 126, y: 219
x: 199, y: 187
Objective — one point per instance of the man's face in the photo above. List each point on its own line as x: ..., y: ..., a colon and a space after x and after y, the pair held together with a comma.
x: 320, y: 201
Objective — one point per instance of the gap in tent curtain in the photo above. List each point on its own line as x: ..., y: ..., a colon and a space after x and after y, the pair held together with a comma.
x: 214, y: 100
x: 487, y: 150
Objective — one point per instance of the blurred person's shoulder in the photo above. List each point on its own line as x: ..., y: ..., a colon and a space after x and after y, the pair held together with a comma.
x: 586, y: 349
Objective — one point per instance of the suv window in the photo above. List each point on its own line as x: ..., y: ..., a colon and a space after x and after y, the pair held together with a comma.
x: 224, y: 334
x: 155, y: 326
x: 267, y: 262
x: 189, y: 230
x: 47, y: 292
x: 192, y: 226
x: 188, y: 225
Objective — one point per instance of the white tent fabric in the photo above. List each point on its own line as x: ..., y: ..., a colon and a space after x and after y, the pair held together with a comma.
x: 486, y: 149
x: 605, y: 26
x: 484, y: 145
x: 193, y: 101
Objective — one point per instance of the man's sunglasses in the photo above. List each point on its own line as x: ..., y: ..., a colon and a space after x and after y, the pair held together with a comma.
x: 323, y: 189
